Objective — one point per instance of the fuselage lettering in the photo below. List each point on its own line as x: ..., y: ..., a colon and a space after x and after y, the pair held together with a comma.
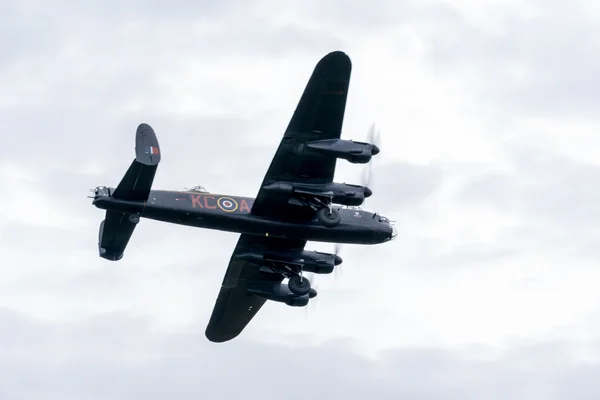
x: 196, y: 200
x: 209, y: 206
x: 244, y: 206
x: 225, y: 204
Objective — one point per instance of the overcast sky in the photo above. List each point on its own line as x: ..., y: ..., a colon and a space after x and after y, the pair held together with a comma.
x: 489, y: 165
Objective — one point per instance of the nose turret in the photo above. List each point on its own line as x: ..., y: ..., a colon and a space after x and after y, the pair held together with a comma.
x: 394, y: 232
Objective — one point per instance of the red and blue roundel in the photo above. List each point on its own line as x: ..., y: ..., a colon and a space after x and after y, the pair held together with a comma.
x: 227, y: 204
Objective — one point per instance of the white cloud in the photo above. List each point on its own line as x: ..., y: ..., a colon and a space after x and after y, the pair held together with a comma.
x: 118, y: 356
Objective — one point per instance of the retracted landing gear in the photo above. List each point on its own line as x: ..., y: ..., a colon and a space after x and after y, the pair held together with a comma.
x: 134, y: 218
x: 299, y: 285
x: 326, y: 214
x: 329, y: 217
x: 298, y: 290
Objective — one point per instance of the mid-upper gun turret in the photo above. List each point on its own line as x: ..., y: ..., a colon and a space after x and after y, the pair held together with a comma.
x: 197, y: 189
x: 354, y: 152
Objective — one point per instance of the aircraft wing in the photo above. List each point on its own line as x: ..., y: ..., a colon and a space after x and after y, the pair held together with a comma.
x: 318, y: 115
x: 235, y: 307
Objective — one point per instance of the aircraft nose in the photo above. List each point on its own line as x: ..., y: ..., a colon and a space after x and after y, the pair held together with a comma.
x: 368, y: 192
x: 394, y: 232
x: 374, y: 150
x: 337, y: 260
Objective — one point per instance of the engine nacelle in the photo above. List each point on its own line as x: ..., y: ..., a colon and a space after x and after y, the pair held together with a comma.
x: 320, y: 263
x: 349, y: 195
x: 279, y: 292
x: 355, y: 152
x: 310, y: 261
x: 341, y: 193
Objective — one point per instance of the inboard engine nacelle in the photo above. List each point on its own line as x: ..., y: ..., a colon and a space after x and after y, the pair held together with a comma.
x: 341, y: 193
x: 355, y: 152
x: 310, y: 261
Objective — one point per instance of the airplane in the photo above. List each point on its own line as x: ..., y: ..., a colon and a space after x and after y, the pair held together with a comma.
x: 297, y: 202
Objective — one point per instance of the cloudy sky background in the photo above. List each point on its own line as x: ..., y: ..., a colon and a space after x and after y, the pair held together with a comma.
x: 488, y: 114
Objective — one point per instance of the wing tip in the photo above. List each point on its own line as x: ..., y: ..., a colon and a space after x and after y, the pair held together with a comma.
x: 337, y: 58
x: 337, y: 54
x: 217, y: 336
x: 336, y: 62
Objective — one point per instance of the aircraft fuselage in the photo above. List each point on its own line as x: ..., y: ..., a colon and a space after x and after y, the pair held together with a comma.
x: 233, y: 214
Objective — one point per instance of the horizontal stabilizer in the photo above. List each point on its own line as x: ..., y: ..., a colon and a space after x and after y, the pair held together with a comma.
x: 115, y: 232
x: 137, y: 182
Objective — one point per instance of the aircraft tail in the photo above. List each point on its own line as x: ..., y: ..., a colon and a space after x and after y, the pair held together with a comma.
x: 114, y: 234
x: 117, y: 227
x: 137, y: 182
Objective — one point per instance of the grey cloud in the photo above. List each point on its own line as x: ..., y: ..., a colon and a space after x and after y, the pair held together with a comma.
x: 144, y: 35
x: 63, y: 92
x: 474, y: 254
x: 118, y: 356
x: 402, y: 184
x: 533, y: 66
x: 58, y: 98
x: 546, y: 186
x: 380, y: 15
x: 554, y: 199
x: 193, y: 148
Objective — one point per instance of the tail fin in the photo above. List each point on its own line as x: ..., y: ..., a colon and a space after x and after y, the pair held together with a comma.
x: 115, y: 231
x: 117, y: 227
x: 137, y: 182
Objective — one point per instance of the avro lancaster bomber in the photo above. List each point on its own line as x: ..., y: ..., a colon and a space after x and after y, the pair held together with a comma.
x: 296, y: 202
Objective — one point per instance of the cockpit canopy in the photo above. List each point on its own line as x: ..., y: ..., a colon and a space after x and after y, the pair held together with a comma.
x: 199, y: 189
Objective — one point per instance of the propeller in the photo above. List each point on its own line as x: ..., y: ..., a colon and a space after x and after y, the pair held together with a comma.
x: 373, y: 137
x: 337, y: 248
x: 311, y: 276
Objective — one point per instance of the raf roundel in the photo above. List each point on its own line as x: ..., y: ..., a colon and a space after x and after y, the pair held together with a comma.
x: 227, y: 204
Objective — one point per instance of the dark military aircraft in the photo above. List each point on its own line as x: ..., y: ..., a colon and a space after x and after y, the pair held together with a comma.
x: 297, y: 202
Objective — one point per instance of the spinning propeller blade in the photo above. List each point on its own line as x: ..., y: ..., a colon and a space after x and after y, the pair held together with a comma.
x: 312, y: 279
x: 337, y: 248
x: 373, y: 137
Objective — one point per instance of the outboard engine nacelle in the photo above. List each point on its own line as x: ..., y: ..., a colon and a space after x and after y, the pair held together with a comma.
x: 310, y: 261
x: 355, y: 152
x: 279, y: 292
